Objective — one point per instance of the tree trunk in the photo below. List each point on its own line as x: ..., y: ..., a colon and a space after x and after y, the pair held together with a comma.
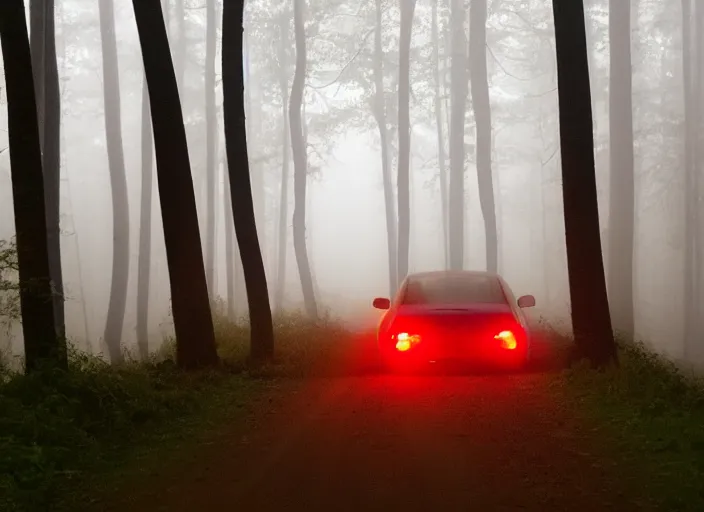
x: 621, y: 193
x: 479, y: 81
x: 380, y: 116
x: 404, y: 136
x: 193, y: 323
x: 145, y: 228
x: 230, y: 254
x: 39, y: 328
x: 181, y: 44
x: 458, y: 92
x: 439, y: 128
x: 118, y: 183
x: 591, y: 320
x: 262, y: 330
x: 46, y: 83
x: 211, y: 121
x: 300, y: 163
x: 691, y: 79
x: 285, y: 148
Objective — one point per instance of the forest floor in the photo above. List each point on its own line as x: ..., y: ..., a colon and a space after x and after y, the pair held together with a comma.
x: 359, y: 440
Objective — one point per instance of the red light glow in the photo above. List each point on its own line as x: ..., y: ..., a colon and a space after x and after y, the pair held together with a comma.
x: 405, y: 341
x: 507, y: 339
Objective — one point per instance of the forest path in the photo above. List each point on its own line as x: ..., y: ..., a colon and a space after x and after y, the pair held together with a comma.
x: 408, y: 443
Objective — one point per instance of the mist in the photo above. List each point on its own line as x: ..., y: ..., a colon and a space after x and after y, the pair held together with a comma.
x: 346, y: 218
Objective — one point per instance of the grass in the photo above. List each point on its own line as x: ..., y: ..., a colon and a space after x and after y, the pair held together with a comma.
x: 651, y: 416
x: 67, y: 438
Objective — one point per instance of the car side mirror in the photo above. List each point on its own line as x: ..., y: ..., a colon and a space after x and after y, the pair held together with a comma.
x: 527, y: 301
x: 381, y: 303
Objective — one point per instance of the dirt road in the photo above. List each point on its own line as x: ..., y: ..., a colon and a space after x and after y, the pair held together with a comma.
x: 406, y: 443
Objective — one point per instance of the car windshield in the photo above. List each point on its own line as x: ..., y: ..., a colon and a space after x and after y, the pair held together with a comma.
x: 465, y: 289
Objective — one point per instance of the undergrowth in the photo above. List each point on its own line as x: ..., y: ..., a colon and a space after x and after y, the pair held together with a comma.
x: 58, y: 429
x: 654, y: 412
x: 303, y: 348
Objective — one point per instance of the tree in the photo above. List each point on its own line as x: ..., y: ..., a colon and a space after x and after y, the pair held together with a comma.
x: 300, y: 162
x: 46, y: 84
x: 693, y: 78
x: 118, y: 183
x: 479, y: 81
x: 260, y: 319
x: 458, y: 92
x: 379, y: 111
x: 230, y: 254
x: 145, y: 227
x: 285, y: 151
x: 211, y: 122
x: 404, y: 136
x: 193, y: 323
x: 591, y: 320
x: 435, y: 36
x: 42, y: 346
x: 621, y: 194
x: 181, y: 44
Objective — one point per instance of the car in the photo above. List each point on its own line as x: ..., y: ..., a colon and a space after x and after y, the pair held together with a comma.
x: 454, y: 316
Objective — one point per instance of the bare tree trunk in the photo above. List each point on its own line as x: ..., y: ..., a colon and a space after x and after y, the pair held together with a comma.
x: 458, y: 93
x: 621, y: 193
x: 300, y: 163
x: 193, y: 323
x: 479, y: 81
x: 46, y: 82
x: 181, y: 44
x: 145, y: 228
x: 591, y: 320
x: 696, y: 350
x: 230, y: 255
x: 379, y: 108
x: 118, y: 183
x: 39, y: 328
x: 439, y: 128
x: 262, y: 329
x: 285, y: 148
x: 211, y: 122
x: 691, y: 332
x: 253, y: 111
x: 404, y: 136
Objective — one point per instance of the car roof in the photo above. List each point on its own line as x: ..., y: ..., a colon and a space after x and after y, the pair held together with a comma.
x: 455, y: 273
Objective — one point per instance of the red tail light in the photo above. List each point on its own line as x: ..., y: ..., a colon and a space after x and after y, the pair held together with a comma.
x: 405, y: 341
x: 507, y: 340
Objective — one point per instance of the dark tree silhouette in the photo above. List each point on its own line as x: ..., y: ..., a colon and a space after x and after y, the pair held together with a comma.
x: 46, y: 85
x: 591, y: 320
x: 262, y: 330
x: 42, y: 346
x: 145, y: 227
x: 193, y: 323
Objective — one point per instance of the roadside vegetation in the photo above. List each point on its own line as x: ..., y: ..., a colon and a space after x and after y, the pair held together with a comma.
x: 649, y: 414
x: 61, y: 430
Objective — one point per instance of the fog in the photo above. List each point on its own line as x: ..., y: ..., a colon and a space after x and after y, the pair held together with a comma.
x: 346, y: 229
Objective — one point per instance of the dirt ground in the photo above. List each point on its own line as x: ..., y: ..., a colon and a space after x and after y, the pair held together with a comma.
x: 492, y: 442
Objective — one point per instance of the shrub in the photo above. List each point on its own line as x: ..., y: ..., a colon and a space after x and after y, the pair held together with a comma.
x: 53, y: 423
x: 301, y: 345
